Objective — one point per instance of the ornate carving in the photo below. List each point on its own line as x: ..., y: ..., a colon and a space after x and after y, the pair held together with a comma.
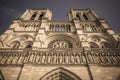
x: 60, y: 43
x: 93, y: 56
x: 60, y: 74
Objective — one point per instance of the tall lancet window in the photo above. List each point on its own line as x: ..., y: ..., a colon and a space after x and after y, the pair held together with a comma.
x: 41, y: 16
x: 85, y: 17
x: 33, y: 17
x: 78, y: 16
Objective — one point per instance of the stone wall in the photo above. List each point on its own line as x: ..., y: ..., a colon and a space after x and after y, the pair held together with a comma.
x: 105, y: 72
x: 10, y: 72
x: 35, y: 72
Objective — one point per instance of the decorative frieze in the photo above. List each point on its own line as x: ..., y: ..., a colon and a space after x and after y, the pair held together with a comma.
x: 94, y: 56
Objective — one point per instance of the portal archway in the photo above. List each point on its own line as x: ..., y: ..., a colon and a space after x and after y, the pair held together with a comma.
x: 60, y: 74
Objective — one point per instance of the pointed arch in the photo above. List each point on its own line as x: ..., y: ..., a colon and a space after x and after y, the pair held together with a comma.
x: 15, y: 44
x: 85, y: 17
x: 78, y: 16
x: 41, y: 16
x: 60, y: 74
x: 33, y: 16
x: 22, y: 37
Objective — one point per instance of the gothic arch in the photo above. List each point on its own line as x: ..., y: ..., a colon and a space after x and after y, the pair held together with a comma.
x: 60, y: 74
x: 85, y: 16
x: 33, y: 16
x: 100, y: 41
x: 14, y: 44
x: 21, y: 37
x: 78, y: 16
x: 41, y: 16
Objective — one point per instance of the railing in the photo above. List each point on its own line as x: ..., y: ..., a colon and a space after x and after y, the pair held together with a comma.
x: 60, y: 27
x: 103, y: 56
x: 90, y: 27
x: 60, y: 56
x: 28, y: 26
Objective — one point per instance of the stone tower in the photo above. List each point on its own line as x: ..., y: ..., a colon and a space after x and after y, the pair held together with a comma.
x: 83, y: 47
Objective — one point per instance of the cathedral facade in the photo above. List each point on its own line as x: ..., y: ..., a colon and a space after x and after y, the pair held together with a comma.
x: 83, y: 47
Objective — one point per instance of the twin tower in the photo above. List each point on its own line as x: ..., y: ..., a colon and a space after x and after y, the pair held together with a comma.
x: 83, y: 47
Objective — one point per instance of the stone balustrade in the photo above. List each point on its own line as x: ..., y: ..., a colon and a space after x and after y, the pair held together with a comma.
x: 60, y: 56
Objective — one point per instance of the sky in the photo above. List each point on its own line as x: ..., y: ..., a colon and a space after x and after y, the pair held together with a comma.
x: 107, y: 9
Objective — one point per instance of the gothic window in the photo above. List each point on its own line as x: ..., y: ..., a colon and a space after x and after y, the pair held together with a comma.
x: 51, y: 27
x: 57, y: 27
x: 85, y: 17
x: 33, y: 17
x: 15, y: 44
x: 60, y: 28
x: 60, y: 74
x: 70, y: 45
x: 60, y: 44
x: 41, y: 16
x: 68, y: 28
x: 78, y: 16
x: 63, y: 27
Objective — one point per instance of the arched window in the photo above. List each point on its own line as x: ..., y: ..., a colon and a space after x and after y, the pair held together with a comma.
x: 62, y: 27
x: 41, y: 16
x: 78, y: 16
x: 85, y: 17
x: 33, y: 17
x: 50, y: 28
x: 56, y: 27
x: 68, y: 28
x: 60, y: 74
